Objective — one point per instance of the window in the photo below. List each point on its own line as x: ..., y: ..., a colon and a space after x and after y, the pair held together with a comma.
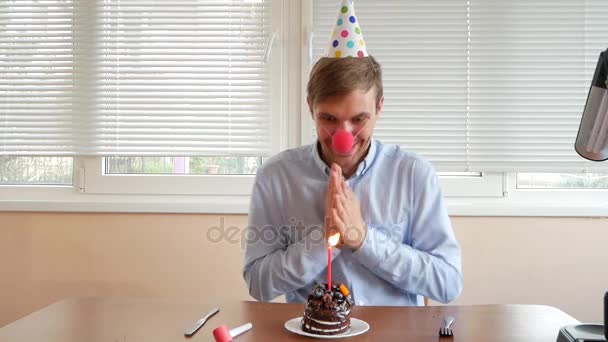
x: 478, y: 86
x: 184, y: 78
x: 190, y: 88
x: 183, y: 165
x: 562, y: 180
x: 36, y: 73
x: 172, y: 106
x: 195, y: 82
x: 36, y: 170
x: 129, y: 77
x: 36, y: 88
x: 484, y: 89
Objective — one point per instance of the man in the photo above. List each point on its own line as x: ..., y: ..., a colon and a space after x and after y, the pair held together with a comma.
x: 397, y: 243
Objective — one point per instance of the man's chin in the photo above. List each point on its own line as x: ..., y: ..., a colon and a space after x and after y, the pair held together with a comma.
x: 344, y: 155
x: 346, y: 159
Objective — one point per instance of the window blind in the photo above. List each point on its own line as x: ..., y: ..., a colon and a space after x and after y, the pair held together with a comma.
x: 482, y: 85
x: 36, y: 79
x: 145, y: 77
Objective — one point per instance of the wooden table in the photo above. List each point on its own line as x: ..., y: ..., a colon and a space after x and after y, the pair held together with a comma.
x: 148, y: 320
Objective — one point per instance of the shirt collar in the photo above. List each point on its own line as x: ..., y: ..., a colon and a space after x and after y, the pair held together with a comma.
x: 362, y: 168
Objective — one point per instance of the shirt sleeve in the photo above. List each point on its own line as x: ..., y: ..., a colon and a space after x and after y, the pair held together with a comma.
x: 276, y: 262
x: 430, y: 265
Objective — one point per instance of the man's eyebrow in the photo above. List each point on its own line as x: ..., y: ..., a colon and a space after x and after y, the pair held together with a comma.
x: 363, y: 114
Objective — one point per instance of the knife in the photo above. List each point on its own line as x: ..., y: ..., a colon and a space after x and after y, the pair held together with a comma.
x: 198, y: 324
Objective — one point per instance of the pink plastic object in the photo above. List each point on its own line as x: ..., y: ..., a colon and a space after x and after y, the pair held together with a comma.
x: 342, y: 141
x: 222, y: 334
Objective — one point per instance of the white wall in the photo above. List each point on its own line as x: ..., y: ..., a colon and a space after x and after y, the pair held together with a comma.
x: 45, y: 257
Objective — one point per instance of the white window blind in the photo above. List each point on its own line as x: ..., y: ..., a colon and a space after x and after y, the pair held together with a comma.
x: 146, y: 77
x: 36, y: 77
x: 482, y: 85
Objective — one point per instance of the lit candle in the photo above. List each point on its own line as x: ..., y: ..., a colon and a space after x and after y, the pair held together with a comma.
x: 331, y: 241
x: 329, y: 268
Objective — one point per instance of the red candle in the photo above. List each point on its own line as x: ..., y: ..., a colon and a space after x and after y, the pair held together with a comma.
x: 329, y: 268
x: 331, y: 241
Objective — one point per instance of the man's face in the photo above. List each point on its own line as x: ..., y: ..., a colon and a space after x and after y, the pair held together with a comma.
x: 356, y: 112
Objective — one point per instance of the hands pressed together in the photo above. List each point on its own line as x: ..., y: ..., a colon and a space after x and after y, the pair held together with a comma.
x: 343, y: 212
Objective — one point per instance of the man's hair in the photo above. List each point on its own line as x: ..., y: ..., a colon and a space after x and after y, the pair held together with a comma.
x: 340, y: 76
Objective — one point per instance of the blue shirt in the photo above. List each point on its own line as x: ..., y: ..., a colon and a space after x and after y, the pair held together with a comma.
x: 409, y: 252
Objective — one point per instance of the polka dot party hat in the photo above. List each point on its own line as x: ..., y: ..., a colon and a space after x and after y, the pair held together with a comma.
x: 346, y: 39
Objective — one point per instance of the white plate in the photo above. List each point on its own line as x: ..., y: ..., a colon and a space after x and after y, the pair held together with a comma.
x: 357, y: 327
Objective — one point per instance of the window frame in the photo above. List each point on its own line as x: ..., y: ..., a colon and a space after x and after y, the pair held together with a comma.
x: 70, y: 199
x: 514, y: 202
x: 96, y: 181
x: 533, y: 202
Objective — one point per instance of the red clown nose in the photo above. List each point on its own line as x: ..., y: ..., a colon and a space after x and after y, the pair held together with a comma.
x: 342, y: 141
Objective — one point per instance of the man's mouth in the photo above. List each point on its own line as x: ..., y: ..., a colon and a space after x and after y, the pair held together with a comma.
x: 350, y: 153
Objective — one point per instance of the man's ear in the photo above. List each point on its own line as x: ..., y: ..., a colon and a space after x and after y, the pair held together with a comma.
x: 379, y: 106
x: 310, y: 107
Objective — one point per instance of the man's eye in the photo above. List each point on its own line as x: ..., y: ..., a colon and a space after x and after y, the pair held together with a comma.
x: 358, y: 119
x: 328, y: 118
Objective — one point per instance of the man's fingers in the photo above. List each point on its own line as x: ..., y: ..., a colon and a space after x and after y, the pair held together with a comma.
x: 339, y: 186
x: 336, y: 167
x: 338, y: 179
x: 333, y: 178
x: 328, y: 220
x: 339, y: 224
x: 331, y: 188
x: 340, y: 199
x: 330, y: 224
x: 334, y: 191
x: 344, y: 188
x: 329, y: 204
x: 340, y: 205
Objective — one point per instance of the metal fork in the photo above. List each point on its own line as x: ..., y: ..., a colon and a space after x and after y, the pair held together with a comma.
x: 445, y: 330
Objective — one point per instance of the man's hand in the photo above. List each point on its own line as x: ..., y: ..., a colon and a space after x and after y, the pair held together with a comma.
x: 335, y: 181
x: 346, y: 215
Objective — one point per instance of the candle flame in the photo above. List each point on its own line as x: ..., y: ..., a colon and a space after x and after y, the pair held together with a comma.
x: 333, y: 240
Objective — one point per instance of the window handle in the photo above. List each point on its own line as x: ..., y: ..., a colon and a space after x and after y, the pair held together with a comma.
x: 309, y: 41
x: 269, y: 45
x: 80, y: 180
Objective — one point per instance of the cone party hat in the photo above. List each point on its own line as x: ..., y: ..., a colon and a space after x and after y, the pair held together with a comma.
x: 346, y: 39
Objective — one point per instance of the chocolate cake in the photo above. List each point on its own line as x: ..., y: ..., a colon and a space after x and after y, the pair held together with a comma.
x: 327, y: 312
